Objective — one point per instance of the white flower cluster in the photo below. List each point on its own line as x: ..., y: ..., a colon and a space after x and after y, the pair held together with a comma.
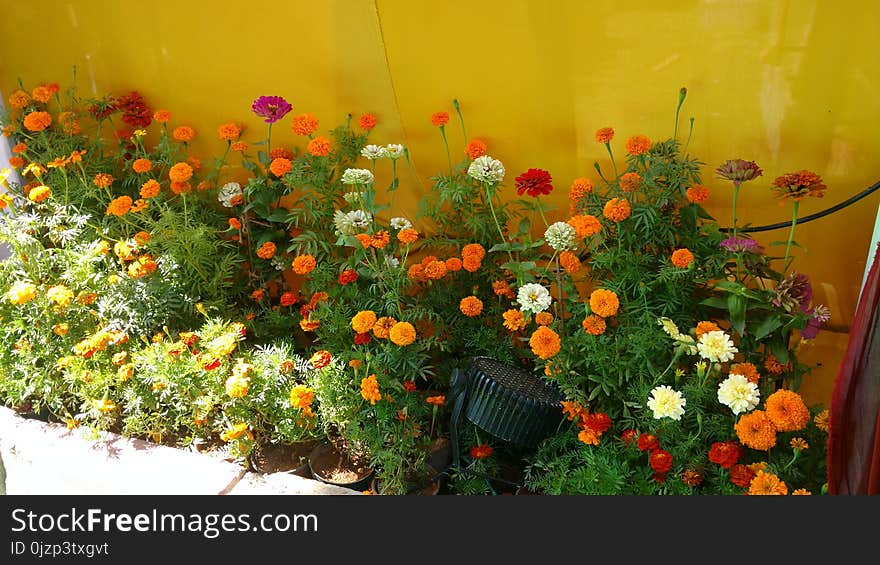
x: 391, y: 151
x: 665, y: 402
x: 372, y: 152
x: 357, y: 176
x: 400, y: 223
x: 684, y: 341
x: 560, y: 236
x: 533, y: 297
x: 228, y: 192
x: 716, y: 346
x: 738, y: 393
x: 280, y: 263
x: 486, y: 169
x: 351, y: 223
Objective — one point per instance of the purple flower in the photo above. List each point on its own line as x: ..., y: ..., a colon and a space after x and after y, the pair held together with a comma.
x: 794, y: 293
x: 741, y: 245
x: 272, y: 108
x: 818, y: 316
x: 739, y: 170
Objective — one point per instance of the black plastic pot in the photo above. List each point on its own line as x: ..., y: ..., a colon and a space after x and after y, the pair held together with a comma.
x: 328, y: 451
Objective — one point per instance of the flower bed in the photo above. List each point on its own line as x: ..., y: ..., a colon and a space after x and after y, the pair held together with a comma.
x: 152, y: 294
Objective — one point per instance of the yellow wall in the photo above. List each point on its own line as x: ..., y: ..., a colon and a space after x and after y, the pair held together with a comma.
x: 790, y: 84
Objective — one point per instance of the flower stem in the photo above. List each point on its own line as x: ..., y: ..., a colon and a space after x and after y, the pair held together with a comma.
x: 495, y: 217
x: 794, y: 215
x: 541, y: 210
x: 735, y: 198
x: 446, y: 144
x: 269, y: 143
x: 460, y: 118
x: 610, y: 154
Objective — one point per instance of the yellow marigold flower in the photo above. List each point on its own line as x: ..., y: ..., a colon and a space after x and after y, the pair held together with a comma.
x: 301, y: 397
x: 119, y: 358
x: 545, y: 343
x: 64, y: 362
x: 39, y: 193
x: 21, y: 292
x: 124, y: 250
x: 119, y: 206
x: 767, y: 484
x: 823, y: 420
x: 471, y: 306
x: 304, y: 264
x: 60, y: 295
x: 237, y: 385
x: 363, y: 321
x: 125, y: 372
x: 370, y: 389
x: 382, y: 327
x: 787, y: 411
x: 799, y: 443
x: 72, y: 423
x: 604, y: 303
x: 514, y: 320
x: 223, y: 345
x: 543, y: 318
x: 61, y: 329
x: 234, y: 432
x: 104, y: 405
x: 402, y: 334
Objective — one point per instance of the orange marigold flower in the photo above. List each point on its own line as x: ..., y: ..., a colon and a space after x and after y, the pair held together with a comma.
x: 123, y: 250
x: 161, y: 116
x: 787, y: 411
x: 630, y: 182
x: 69, y: 123
x: 755, y: 430
x: 453, y: 264
x: 304, y: 264
x: 60, y: 329
x: 588, y: 436
x: 139, y: 205
x: 319, y: 147
x: 435, y: 270
x: 471, y: 263
x: 502, y: 288
x: 638, y: 144
x: 258, y: 294
x: 141, y: 165
x: 180, y: 172
x: 747, y: 370
x: 181, y: 187
x: 37, y: 121
x: 471, y: 306
x: 266, y: 251
x: 570, y: 262
x: 183, y: 133
x: 682, y: 258
x: 229, y: 131
x: 481, y: 451
x: 363, y: 321
x: 19, y: 148
x: 476, y: 148
x: 439, y: 400
x: 697, y: 194
x: 801, y: 492
x: 304, y: 124
x: 585, y: 225
x: 41, y: 94
x: 773, y: 366
x: 604, y: 135
x: 823, y: 420
x: 402, y: 333
x: 767, y: 484
x: 39, y: 193
x: 691, y: 478
x: 473, y: 250
x: 102, y: 180
x: 16, y: 162
x: 416, y: 272
x: 364, y: 240
x: 407, y: 235
x: 307, y: 324
x: 705, y: 327
x: 543, y: 318
x: 514, y: 320
x: 287, y: 298
x: 604, y: 302
x: 19, y: 99
x: 119, y: 206
x: 594, y: 325
x: 380, y: 240
x: 440, y: 119
x: 281, y: 152
x: 239, y: 146
x: 367, y: 122
x: 579, y: 187
x: 382, y: 327
x: 370, y: 389
x: 617, y: 209
x: 280, y: 166
x: 545, y: 343
x: 142, y: 267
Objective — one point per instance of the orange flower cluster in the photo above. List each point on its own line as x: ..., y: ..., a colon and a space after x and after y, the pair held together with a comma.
x: 319, y: 147
x: 119, y: 206
x: 697, y: 194
x: 162, y: 116
x: 440, y: 119
x: 475, y: 149
x: 402, y: 334
x: 502, y: 288
x: 370, y: 389
x: 747, y: 370
x: 787, y: 411
x: 304, y: 264
x: 594, y: 325
x: 280, y: 166
x: 604, y: 303
x: 102, y: 180
x: 143, y: 266
x: 99, y: 341
x: 407, y: 236
x: 229, y: 131
x: 773, y: 366
x: 545, y: 343
x: 472, y: 256
x: 630, y: 182
x: 576, y: 192
x: 585, y: 225
x: 436, y: 400
x: 37, y: 121
x: 638, y: 144
x: 301, y: 397
x: 382, y: 327
x: 19, y: 99
x: 141, y: 166
x: 266, y: 251
x: 367, y: 121
x: 150, y: 189
x: 471, y: 306
x: 363, y: 321
x: 705, y: 327
x: 514, y: 320
x: 304, y: 124
x: 756, y: 430
x: 543, y: 318
x: 682, y: 258
x: 481, y: 451
x: 604, y: 135
x: 570, y: 262
x: 183, y: 133
x: 767, y: 484
x: 798, y: 185
x: 617, y: 209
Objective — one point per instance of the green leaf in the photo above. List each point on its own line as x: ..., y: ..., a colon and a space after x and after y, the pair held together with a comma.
x: 736, y: 306
x: 729, y: 286
x: 715, y: 302
x: 768, y: 326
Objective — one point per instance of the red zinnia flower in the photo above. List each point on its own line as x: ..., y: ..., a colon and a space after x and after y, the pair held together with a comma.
x: 534, y: 181
x: 599, y: 422
x: 660, y: 460
x: 134, y: 110
x: 347, y: 276
x: 648, y: 442
x: 725, y: 453
x: 362, y: 338
x: 741, y: 476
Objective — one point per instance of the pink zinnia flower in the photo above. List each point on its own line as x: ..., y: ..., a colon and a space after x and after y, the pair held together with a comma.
x: 272, y: 108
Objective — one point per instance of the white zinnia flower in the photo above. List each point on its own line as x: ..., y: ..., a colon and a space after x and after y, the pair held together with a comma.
x: 352, y: 222
x: 228, y: 192
x: 533, y: 297
x: 353, y: 197
x: 372, y: 152
x: 393, y: 151
x: 486, y: 169
x: 392, y: 261
x: 357, y: 176
x: 560, y: 236
x: 738, y: 393
x: 400, y: 223
x: 716, y: 347
x: 666, y: 403
x: 669, y: 327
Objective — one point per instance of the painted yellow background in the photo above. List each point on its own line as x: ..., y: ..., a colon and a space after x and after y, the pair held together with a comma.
x: 790, y: 84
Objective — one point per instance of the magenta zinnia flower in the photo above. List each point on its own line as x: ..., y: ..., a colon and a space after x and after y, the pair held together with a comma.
x: 272, y: 108
x: 739, y: 170
x: 741, y: 245
x: 534, y: 181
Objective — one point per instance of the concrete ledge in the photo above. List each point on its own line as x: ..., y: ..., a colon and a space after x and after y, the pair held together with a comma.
x: 44, y: 458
